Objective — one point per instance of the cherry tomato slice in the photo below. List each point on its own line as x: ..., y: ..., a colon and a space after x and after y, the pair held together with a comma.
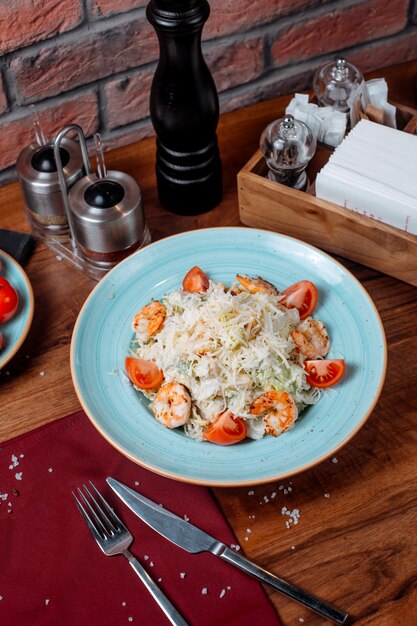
x: 1, y: 341
x: 302, y: 296
x: 144, y: 374
x: 324, y: 373
x: 9, y: 300
x: 226, y: 430
x: 195, y: 281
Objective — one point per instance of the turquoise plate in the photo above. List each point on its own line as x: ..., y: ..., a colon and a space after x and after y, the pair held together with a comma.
x: 103, y: 334
x: 15, y: 330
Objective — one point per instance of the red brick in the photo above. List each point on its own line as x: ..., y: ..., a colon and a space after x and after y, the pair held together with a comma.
x: 339, y: 29
x: 231, y: 16
x: 57, y: 68
x: 127, y: 99
x: 235, y: 64
x: 285, y: 82
x: 387, y: 52
x: 124, y: 137
x: 24, y: 21
x: 16, y: 134
x: 108, y: 7
x: 3, y: 99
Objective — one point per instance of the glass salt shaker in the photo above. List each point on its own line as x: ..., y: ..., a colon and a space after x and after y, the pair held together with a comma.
x: 334, y: 82
x: 288, y: 145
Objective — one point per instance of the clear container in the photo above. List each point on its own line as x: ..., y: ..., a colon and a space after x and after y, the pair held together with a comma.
x: 334, y: 83
x: 288, y: 146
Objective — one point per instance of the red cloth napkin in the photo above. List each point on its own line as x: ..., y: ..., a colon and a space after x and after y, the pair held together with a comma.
x: 52, y: 571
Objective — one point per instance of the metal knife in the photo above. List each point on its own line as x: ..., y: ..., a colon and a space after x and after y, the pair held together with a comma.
x: 194, y: 540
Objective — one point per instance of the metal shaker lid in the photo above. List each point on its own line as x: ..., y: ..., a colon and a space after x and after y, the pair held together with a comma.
x: 36, y: 166
x: 106, y: 213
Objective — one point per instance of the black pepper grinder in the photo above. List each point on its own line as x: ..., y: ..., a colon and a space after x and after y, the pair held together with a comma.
x: 184, y: 108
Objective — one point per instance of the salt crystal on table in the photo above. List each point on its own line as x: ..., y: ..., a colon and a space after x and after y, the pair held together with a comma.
x: 58, y: 257
x: 292, y: 547
x: 159, y: 580
x: 327, y: 495
x: 251, y: 493
x: 228, y: 587
x: 187, y: 519
x: 50, y: 470
x: 42, y: 373
x: 301, y: 619
x: 246, y: 538
x: 248, y: 530
x: 130, y: 619
x: 18, y: 475
x: 273, y: 494
x: 182, y: 574
x: 1, y: 598
x: 151, y: 564
x: 223, y: 593
x: 204, y: 591
x: 334, y: 460
x: 146, y: 557
x: 123, y: 603
x: 47, y: 601
x: 21, y: 456
x: 137, y: 483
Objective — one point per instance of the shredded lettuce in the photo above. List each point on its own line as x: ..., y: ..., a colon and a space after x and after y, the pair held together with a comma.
x: 227, y: 350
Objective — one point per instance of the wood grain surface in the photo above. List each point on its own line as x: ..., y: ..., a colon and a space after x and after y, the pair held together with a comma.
x: 355, y: 543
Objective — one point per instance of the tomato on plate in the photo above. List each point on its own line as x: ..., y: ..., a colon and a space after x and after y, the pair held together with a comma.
x: 302, y: 296
x: 324, y: 373
x: 195, y: 281
x: 226, y: 429
x: 144, y: 374
x: 9, y: 300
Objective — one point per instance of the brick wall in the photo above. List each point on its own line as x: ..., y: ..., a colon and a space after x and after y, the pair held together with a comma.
x: 92, y: 61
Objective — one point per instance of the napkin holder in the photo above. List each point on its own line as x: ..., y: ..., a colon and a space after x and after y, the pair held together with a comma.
x: 264, y: 203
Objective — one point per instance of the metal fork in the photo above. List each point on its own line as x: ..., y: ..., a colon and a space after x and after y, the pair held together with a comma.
x: 114, y: 538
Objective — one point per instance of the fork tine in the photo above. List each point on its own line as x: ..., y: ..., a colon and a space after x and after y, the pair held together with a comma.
x: 117, y: 522
x: 98, y: 521
x: 88, y: 520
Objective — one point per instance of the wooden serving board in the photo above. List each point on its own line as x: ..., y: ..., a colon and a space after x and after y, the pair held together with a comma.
x: 266, y: 204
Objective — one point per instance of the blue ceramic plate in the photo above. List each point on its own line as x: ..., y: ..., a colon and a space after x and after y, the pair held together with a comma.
x: 103, y: 334
x: 15, y: 330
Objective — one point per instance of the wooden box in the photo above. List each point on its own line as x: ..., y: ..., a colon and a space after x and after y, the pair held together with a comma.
x: 266, y: 204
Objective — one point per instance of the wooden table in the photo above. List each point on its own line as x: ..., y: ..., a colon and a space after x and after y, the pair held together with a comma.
x: 355, y: 542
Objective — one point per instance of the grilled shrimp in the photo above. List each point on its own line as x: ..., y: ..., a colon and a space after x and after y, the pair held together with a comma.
x: 256, y: 285
x: 311, y: 338
x: 277, y: 409
x: 172, y: 405
x: 150, y: 319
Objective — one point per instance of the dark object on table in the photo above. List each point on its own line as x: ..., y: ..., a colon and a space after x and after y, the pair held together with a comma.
x: 184, y: 108
x: 19, y: 245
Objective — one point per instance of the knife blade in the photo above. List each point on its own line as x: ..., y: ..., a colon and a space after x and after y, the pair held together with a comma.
x: 194, y: 540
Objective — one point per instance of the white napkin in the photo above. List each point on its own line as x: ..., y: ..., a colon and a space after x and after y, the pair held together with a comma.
x: 374, y: 172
